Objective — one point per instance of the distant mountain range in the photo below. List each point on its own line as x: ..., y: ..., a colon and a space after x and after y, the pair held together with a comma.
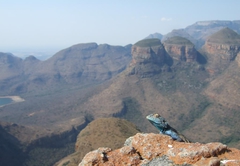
x: 82, y: 63
x: 197, y: 33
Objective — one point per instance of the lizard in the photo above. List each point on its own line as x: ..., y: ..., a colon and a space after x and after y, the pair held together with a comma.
x: 162, y: 125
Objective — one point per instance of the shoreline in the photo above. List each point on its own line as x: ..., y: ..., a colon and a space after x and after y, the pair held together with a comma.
x: 15, y: 99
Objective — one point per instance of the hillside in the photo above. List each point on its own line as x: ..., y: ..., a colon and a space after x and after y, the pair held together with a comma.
x: 102, y: 132
x: 32, y: 145
x: 175, y: 93
x: 83, y: 64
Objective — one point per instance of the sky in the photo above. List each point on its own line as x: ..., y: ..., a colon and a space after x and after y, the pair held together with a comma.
x: 42, y: 25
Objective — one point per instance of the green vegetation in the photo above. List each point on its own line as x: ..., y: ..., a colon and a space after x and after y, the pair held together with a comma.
x: 48, y: 156
x: 184, y: 77
x: 225, y: 36
x: 232, y: 139
x: 178, y: 40
x: 132, y: 111
x: 66, y: 163
x: 196, y: 112
x: 148, y: 42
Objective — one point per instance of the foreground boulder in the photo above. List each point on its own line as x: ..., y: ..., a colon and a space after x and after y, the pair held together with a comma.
x: 156, y: 149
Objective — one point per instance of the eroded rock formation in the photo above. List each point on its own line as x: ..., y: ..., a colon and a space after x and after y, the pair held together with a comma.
x: 222, y: 47
x: 148, y: 56
x: 156, y: 149
x: 180, y: 48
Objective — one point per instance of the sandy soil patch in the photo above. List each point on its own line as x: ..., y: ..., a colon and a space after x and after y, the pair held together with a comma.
x: 14, y: 98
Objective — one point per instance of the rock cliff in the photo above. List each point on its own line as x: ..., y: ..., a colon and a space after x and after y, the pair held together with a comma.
x: 148, y: 56
x: 224, y: 43
x: 180, y: 48
x: 222, y: 47
x: 156, y: 149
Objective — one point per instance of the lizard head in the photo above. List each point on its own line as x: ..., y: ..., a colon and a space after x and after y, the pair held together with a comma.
x: 158, y: 121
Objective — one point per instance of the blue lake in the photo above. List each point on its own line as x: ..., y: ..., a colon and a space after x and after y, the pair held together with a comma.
x: 4, y: 101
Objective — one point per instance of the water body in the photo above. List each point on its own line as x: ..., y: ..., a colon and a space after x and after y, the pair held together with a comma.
x: 4, y: 101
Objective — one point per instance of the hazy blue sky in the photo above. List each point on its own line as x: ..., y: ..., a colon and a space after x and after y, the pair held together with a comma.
x: 62, y: 23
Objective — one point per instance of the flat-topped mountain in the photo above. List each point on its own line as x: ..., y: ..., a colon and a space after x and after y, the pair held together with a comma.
x: 148, y: 56
x: 180, y: 48
x: 222, y: 47
x: 181, y: 33
x: 225, y: 36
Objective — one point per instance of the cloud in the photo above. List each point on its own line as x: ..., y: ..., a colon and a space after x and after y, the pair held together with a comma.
x: 166, y: 19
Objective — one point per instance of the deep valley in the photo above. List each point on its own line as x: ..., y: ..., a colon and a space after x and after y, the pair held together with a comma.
x: 190, y: 79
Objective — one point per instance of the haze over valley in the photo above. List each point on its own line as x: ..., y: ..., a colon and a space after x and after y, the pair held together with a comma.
x: 77, y: 76
x: 195, y: 89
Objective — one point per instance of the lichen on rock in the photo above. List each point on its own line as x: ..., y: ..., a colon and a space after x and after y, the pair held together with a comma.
x: 156, y: 149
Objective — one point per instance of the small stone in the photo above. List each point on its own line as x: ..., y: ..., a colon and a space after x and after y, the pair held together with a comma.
x: 214, y: 162
x: 170, y: 146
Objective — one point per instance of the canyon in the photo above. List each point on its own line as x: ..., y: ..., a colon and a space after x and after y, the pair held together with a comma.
x: 196, y: 90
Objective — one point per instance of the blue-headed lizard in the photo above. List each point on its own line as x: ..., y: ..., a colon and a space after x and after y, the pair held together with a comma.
x: 162, y: 125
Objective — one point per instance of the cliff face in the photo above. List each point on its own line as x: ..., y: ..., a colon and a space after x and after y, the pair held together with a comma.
x: 148, y: 56
x: 180, y: 48
x: 224, y: 51
x: 154, y: 54
x: 222, y: 47
x: 157, y: 149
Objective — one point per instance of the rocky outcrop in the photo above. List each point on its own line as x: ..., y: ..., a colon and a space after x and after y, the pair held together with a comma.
x: 148, y: 51
x: 180, y: 48
x: 148, y: 56
x: 156, y: 149
x: 222, y: 47
x: 225, y: 44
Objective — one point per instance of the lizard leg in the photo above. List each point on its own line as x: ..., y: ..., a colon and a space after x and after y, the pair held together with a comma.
x: 174, y: 135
